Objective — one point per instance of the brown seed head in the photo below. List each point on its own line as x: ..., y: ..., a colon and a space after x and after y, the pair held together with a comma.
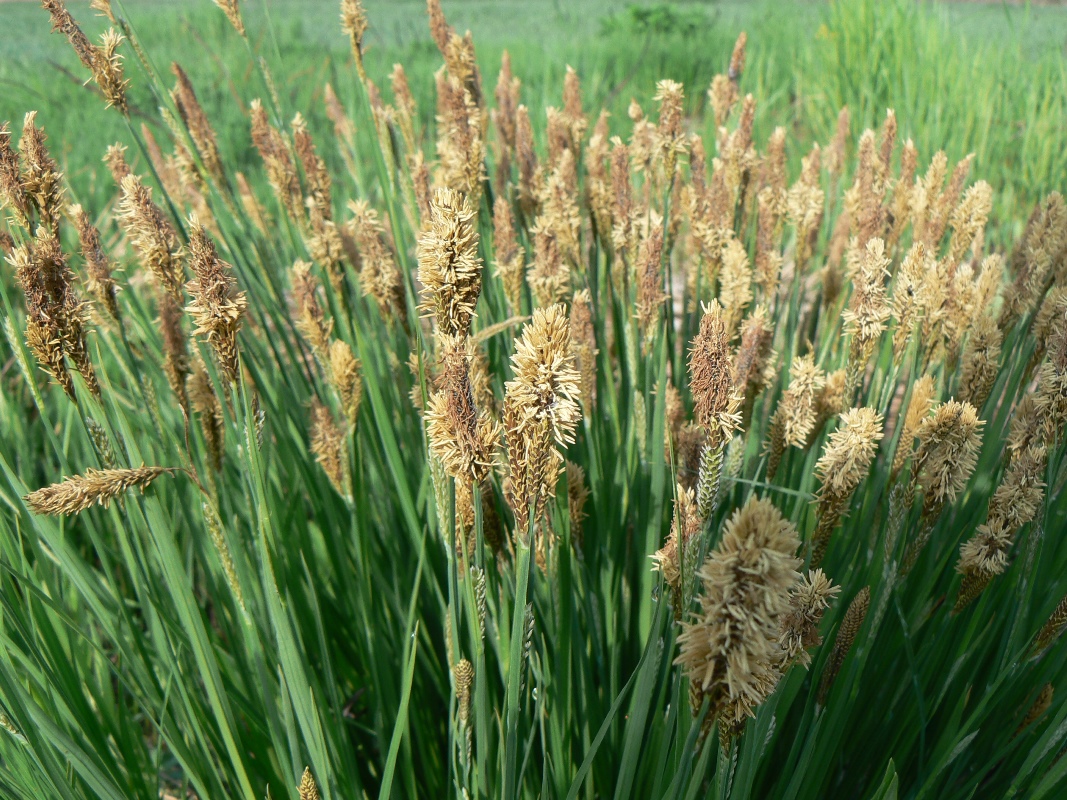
x: 233, y: 14
x: 152, y: 235
x: 98, y: 278
x: 711, y: 375
x: 192, y: 114
x: 42, y: 181
x: 217, y: 306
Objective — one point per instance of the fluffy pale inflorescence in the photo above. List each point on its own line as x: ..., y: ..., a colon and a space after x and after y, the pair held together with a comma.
x: 800, y: 626
x: 541, y: 411
x: 676, y: 560
x: 450, y: 269
x: 464, y: 439
x: 217, y: 306
x: 711, y: 375
x: 729, y: 648
x: 797, y: 407
x: 849, y: 452
x: 95, y: 487
x: 949, y: 441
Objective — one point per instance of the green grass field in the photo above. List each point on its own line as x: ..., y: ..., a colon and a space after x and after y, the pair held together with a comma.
x: 521, y: 474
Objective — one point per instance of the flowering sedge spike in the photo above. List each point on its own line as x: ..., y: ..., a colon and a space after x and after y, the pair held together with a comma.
x: 844, y: 463
x: 981, y: 361
x: 670, y: 137
x: 923, y: 394
x: 540, y: 413
x: 799, y: 631
x: 650, y: 294
x: 716, y: 400
x: 711, y: 375
x: 1052, y: 629
x: 311, y: 319
x: 461, y: 437
x: 583, y: 344
x: 307, y: 788
x: 218, y: 538
x: 903, y: 194
x: 735, y: 284
x: 729, y: 648
x: 526, y: 158
x: 328, y: 444
x: 450, y: 269
x: 94, y: 487
x: 41, y: 180
x: 316, y: 176
x: 354, y: 23
x: 804, y: 203
x: 509, y: 256
x: 866, y: 317
x: 281, y: 173
x: 233, y: 14
x: 1041, y: 246
x: 836, y: 151
x: 846, y: 636
x: 152, y: 235
x: 345, y: 375
x: 192, y: 114
x: 795, y: 417
x: 206, y: 404
x: 676, y: 561
x: 577, y: 497
x: 378, y: 273
x: 753, y: 356
x: 98, y: 280
x: 13, y: 196
x: 548, y: 276
x: 217, y: 306
x: 463, y: 675
x: 968, y: 220
x: 1036, y: 427
x: 406, y: 110
x: 911, y: 295
x: 55, y: 324
x: 102, y: 61
x: 949, y: 441
x: 1041, y: 704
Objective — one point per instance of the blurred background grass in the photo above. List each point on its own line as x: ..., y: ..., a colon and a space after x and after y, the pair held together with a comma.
x: 988, y: 78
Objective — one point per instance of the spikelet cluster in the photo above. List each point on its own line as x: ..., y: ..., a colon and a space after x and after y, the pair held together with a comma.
x: 846, y: 637
x: 799, y: 631
x: 102, y: 60
x: 845, y: 461
x: 729, y: 648
x: 55, y: 323
x: 93, y: 487
x: 541, y: 411
x: 217, y: 306
x: 450, y: 269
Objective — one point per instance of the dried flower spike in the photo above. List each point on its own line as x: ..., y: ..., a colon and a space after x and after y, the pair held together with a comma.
x: 217, y: 306
x: 729, y: 647
x: 450, y: 269
x: 95, y: 487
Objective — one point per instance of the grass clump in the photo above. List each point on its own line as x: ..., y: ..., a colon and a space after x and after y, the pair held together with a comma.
x: 516, y: 450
